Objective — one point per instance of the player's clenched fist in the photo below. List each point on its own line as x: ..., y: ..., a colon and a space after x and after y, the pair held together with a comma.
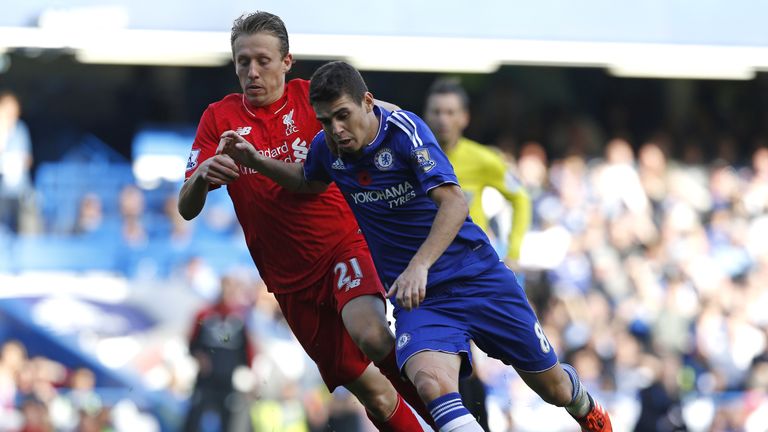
x: 235, y: 146
x: 219, y: 170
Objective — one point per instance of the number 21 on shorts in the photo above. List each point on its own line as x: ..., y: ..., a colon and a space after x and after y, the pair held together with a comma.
x: 344, y: 278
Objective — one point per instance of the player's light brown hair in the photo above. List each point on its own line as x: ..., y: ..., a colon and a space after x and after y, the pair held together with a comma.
x: 334, y: 80
x: 260, y: 22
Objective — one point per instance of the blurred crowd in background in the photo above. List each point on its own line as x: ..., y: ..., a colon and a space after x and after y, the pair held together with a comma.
x: 648, y: 272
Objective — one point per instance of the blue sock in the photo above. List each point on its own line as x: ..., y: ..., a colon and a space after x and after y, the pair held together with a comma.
x: 449, y: 412
x: 580, y: 403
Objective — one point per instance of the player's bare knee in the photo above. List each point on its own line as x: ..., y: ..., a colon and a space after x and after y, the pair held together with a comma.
x: 381, y: 405
x: 429, y: 383
x: 380, y: 400
x: 375, y: 341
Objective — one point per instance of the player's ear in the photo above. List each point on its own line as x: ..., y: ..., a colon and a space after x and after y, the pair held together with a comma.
x: 368, y: 101
x: 287, y: 62
x: 464, y: 119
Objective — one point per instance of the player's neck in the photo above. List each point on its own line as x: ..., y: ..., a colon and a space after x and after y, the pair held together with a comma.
x: 448, y: 145
x: 268, y: 104
x: 373, y: 128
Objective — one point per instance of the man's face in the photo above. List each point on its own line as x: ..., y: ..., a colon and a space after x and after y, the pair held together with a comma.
x: 348, y: 126
x: 260, y: 67
x: 446, y: 117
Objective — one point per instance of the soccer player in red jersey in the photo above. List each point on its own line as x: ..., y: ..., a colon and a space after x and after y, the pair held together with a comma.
x: 307, y: 247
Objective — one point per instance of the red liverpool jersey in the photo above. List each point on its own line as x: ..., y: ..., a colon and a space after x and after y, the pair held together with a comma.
x: 291, y: 236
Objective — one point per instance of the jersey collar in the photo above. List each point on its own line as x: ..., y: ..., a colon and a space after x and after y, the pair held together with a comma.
x: 382, y: 115
x: 273, y: 108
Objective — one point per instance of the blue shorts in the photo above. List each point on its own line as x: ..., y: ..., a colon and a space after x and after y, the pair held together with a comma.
x: 491, y: 309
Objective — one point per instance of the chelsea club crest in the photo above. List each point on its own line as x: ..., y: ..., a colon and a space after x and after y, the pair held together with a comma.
x: 383, y: 159
x: 403, y: 340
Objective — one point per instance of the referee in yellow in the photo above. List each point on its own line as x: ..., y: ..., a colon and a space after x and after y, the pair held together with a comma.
x: 477, y: 166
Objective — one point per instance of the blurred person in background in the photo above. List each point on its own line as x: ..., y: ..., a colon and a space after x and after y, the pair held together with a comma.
x: 81, y: 404
x: 286, y: 413
x: 15, y: 162
x: 36, y: 416
x: 424, y: 243
x: 756, y: 193
x: 90, y: 216
x: 652, y: 170
x: 220, y: 343
x: 618, y: 174
x: 661, y: 408
x: 13, y: 355
x: 40, y: 378
x: 307, y: 248
x: 532, y: 166
x: 181, y: 231
x: 477, y: 167
x: 132, y: 206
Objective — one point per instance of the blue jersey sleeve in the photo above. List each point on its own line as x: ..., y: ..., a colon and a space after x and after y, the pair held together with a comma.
x: 428, y: 161
x: 315, y: 165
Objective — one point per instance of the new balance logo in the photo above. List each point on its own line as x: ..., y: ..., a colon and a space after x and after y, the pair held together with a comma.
x: 338, y: 165
x: 244, y: 130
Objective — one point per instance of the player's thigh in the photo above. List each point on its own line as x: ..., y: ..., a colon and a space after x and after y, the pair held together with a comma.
x: 437, y: 325
x: 503, y: 324
x: 318, y: 327
x: 367, y: 310
x: 365, y: 319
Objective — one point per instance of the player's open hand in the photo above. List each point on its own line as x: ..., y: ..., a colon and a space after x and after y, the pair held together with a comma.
x: 235, y: 146
x: 219, y: 170
x: 410, y: 287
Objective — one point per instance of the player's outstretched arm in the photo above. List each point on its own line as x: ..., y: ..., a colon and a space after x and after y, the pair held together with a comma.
x: 410, y: 286
x: 288, y: 175
x: 521, y: 221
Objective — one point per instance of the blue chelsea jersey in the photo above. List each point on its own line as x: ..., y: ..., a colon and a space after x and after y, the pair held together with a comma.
x: 386, y: 188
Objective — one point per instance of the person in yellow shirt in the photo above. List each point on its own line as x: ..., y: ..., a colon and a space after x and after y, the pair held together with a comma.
x: 477, y: 166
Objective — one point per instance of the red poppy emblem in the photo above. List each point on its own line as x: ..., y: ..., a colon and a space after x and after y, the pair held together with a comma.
x: 364, y: 178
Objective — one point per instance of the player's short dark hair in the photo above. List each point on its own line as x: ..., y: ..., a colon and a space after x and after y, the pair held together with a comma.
x: 260, y: 22
x: 450, y: 86
x: 334, y: 80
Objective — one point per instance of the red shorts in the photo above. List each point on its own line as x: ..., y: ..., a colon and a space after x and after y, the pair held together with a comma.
x: 314, y: 314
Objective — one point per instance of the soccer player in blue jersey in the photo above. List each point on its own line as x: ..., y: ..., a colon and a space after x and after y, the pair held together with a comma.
x: 448, y: 282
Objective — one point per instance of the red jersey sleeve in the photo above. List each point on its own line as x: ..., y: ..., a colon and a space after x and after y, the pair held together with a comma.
x: 205, y: 144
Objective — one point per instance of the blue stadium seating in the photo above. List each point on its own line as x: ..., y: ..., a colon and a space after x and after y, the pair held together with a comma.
x: 56, y: 253
x: 62, y: 185
x: 6, y: 241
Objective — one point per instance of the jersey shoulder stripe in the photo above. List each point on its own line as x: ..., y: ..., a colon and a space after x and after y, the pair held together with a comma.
x: 320, y: 132
x: 407, y: 125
